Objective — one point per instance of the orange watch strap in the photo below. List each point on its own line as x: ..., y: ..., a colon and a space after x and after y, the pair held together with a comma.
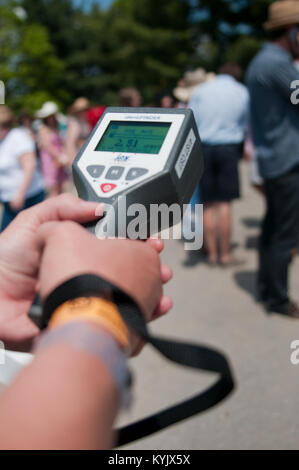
x: 96, y: 309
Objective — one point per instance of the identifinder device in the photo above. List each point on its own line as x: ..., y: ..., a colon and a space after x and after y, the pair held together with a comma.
x: 148, y: 155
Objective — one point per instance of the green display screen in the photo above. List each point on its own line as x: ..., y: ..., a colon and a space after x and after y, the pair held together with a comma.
x: 134, y: 137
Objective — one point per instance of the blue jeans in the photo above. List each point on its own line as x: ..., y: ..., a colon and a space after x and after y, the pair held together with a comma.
x: 9, y: 214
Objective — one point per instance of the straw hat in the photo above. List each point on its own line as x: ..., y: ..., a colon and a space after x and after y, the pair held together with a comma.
x: 281, y: 14
x: 48, y: 109
x: 6, y: 116
x: 210, y: 76
x: 190, y: 81
x: 80, y: 105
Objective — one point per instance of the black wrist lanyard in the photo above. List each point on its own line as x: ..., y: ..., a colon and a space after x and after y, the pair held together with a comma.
x: 184, y: 354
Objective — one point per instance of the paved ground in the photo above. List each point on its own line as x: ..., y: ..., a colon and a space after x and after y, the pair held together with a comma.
x: 217, y: 307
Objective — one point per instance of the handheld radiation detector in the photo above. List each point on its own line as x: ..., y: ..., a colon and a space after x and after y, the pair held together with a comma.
x: 140, y: 155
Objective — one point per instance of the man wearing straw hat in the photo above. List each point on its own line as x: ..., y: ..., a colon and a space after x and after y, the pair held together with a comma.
x: 275, y: 129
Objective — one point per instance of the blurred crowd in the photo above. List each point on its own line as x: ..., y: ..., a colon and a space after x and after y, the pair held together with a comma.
x: 37, y: 151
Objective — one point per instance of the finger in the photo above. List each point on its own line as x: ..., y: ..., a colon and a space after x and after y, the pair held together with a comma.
x: 165, y: 304
x: 46, y: 230
x: 156, y: 243
x: 166, y: 273
x: 63, y: 207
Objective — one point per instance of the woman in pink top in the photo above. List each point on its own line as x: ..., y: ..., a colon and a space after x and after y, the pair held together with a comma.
x: 53, y: 160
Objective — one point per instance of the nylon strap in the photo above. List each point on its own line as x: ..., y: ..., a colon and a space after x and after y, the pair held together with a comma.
x: 184, y: 354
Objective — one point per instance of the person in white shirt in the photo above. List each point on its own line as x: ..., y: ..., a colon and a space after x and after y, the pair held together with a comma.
x: 21, y: 183
x: 221, y: 109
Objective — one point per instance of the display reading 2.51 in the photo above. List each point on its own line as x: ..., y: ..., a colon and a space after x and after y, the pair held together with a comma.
x: 134, y: 137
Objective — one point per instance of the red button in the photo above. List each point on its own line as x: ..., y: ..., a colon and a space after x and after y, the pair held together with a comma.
x: 107, y: 187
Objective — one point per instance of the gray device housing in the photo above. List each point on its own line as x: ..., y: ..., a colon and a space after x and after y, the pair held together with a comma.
x: 163, y: 188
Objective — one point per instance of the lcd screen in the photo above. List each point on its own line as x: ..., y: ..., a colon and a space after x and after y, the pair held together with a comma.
x: 134, y: 137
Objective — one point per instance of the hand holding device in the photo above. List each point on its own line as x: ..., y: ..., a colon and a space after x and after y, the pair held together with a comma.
x: 20, y: 253
x: 70, y: 251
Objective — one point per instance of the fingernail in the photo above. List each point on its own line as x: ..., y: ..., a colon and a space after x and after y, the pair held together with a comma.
x: 92, y: 205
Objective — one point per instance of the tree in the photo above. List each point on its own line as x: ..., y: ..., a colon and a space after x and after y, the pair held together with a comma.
x: 243, y: 50
x: 59, y: 49
x: 234, y: 28
x: 145, y: 44
x: 28, y: 65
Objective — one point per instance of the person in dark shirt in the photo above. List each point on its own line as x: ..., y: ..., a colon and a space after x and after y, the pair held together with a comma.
x: 275, y: 129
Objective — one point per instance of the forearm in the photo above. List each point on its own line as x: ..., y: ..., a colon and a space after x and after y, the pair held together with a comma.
x: 28, y: 165
x: 51, y: 149
x: 70, y: 147
x: 26, y: 181
x: 71, y: 140
x: 66, y: 399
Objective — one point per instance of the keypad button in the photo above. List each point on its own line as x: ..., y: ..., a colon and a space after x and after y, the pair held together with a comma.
x: 107, y: 187
x: 136, y: 173
x: 115, y: 173
x: 95, y: 170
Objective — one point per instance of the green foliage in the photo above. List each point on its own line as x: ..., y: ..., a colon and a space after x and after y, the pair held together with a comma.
x: 28, y: 65
x: 57, y: 51
x: 146, y: 44
x: 234, y: 29
x: 243, y: 50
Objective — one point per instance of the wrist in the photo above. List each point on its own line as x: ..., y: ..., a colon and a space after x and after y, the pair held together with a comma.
x: 20, y: 195
x: 18, y: 202
x: 91, y: 286
x: 96, y: 311
x: 92, y: 340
